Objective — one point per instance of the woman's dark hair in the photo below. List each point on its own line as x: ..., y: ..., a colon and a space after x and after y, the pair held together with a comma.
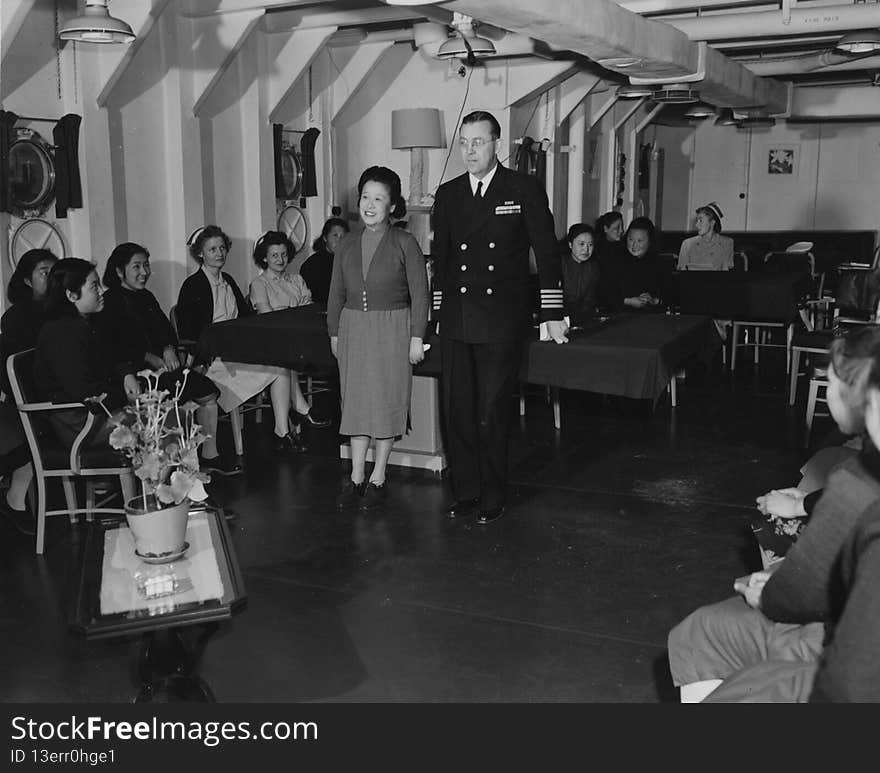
x: 643, y: 224
x: 855, y: 358
x: 268, y: 239
x: 320, y: 243
x: 119, y: 259
x: 200, y: 237
x: 18, y: 290
x: 388, y: 178
x: 603, y: 222
x: 711, y: 213
x: 580, y: 228
x: 68, y: 274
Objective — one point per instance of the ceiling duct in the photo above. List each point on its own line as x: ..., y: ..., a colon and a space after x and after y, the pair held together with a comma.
x: 643, y: 50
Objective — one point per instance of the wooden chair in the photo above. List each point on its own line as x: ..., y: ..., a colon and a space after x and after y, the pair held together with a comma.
x: 52, y: 460
x: 818, y: 384
x: 236, y: 416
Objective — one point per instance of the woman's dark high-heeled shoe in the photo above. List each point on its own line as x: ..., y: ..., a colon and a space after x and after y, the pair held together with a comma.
x: 290, y: 442
x: 311, y: 420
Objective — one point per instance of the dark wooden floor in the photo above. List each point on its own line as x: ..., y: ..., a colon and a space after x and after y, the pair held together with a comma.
x: 620, y: 524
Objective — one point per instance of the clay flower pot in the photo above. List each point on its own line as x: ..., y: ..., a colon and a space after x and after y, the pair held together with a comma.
x: 158, y: 530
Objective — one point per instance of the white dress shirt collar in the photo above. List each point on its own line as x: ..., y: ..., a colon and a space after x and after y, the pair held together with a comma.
x: 486, y: 180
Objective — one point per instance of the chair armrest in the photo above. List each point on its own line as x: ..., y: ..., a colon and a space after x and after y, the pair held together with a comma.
x: 78, y: 441
x: 40, y: 407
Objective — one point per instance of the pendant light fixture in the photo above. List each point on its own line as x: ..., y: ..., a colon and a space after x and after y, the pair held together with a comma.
x: 96, y: 25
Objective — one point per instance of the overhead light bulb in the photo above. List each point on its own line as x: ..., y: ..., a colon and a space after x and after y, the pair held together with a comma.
x: 634, y: 92
x: 96, y: 25
x: 700, y: 110
x: 860, y: 42
x: 726, y: 117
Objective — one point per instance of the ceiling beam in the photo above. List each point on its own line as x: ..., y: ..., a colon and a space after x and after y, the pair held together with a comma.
x: 14, y: 13
x: 574, y: 90
x: 285, y: 21
x: 537, y: 78
x: 288, y: 66
x: 141, y: 27
x: 215, y: 47
x: 363, y: 60
x: 197, y: 9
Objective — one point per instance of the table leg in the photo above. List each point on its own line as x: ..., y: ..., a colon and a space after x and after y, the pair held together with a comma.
x: 795, y: 367
x: 167, y: 667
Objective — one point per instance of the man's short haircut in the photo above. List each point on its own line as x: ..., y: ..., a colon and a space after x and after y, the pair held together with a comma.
x: 482, y: 115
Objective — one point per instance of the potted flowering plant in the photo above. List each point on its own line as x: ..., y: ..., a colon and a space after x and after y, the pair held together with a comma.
x: 161, y: 438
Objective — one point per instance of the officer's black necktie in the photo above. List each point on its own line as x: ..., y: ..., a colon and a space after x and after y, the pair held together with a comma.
x: 479, y: 194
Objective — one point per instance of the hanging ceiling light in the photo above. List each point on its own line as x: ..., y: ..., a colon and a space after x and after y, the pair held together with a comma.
x: 860, y: 42
x: 700, y: 110
x: 634, y: 92
x: 96, y: 25
x: 466, y: 44
x: 675, y: 94
x: 726, y: 117
x: 757, y: 119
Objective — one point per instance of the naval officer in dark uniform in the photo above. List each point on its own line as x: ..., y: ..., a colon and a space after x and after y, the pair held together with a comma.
x: 484, y: 222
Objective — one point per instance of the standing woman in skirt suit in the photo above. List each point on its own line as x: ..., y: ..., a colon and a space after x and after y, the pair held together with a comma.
x: 376, y: 317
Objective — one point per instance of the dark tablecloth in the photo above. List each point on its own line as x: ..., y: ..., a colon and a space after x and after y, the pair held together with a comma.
x: 630, y: 354
x: 633, y: 355
x: 295, y: 338
x: 736, y: 295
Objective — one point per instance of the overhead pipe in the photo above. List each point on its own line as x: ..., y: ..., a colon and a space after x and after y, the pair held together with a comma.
x: 758, y: 24
x: 826, y: 61
x: 683, y: 6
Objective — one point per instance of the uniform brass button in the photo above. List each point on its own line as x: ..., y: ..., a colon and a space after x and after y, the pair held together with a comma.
x: 488, y: 291
x: 463, y: 267
x: 463, y: 246
x: 491, y: 268
x: 491, y: 245
x: 464, y: 289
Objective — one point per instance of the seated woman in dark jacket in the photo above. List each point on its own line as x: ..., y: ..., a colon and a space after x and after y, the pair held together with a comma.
x: 633, y: 276
x: 318, y: 267
x: 580, y: 274
x: 139, y: 332
x: 20, y: 325
x: 211, y: 295
x: 73, y: 361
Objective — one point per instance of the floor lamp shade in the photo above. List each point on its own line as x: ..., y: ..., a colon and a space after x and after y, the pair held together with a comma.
x: 416, y: 129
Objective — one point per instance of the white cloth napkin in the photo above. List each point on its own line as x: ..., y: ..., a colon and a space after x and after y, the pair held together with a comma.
x: 545, y: 335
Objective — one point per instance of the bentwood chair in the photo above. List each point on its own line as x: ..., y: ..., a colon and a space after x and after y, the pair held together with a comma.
x: 51, y: 459
x: 236, y: 415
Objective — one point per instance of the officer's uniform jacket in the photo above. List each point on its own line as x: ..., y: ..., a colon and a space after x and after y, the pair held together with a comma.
x: 482, y: 288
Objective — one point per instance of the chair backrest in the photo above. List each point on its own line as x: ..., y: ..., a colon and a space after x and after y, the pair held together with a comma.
x: 790, y: 263
x: 20, y: 371
x: 740, y: 261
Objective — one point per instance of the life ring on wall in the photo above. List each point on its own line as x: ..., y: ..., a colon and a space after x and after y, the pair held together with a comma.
x: 31, y: 174
x: 33, y: 234
x: 293, y: 222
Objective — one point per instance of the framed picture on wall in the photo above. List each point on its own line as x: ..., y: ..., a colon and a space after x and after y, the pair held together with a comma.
x: 782, y: 159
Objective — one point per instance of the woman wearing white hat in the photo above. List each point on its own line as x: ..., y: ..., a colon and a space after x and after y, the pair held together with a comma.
x: 708, y: 250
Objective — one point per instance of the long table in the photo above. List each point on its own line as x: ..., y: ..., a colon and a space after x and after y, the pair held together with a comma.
x: 735, y: 295
x: 631, y: 355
